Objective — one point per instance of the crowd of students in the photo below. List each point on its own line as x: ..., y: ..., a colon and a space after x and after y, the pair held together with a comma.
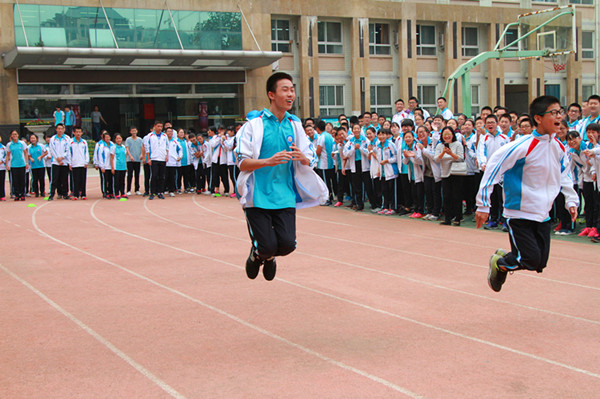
x: 430, y: 167
x: 174, y: 161
x: 411, y: 164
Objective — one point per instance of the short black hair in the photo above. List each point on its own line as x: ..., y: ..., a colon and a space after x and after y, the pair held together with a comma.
x: 505, y: 116
x: 541, y: 104
x: 593, y: 126
x: 407, y: 122
x: 276, y: 77
x: 573, y: 134
x: 491, y: 116
x: 442, y: 98
x: 594, y: 97
x: 399, y: 101
x: 132, y: 127
x: 414, y: 98
x: 574, y: 105
x: 60, y: 124
x: 321, y: 125
x: 157, y: 122
x: 487, y: 107
x: 525, y: 120
x: 353, y: 119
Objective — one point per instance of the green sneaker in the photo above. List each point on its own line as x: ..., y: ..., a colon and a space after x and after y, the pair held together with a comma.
x: 496, y: 277
x: 501, y: 252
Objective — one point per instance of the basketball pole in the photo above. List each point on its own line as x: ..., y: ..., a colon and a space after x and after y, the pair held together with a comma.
x: 463, y: 72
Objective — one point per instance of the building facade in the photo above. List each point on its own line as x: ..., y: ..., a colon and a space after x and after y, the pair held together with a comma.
x: 200, y: 62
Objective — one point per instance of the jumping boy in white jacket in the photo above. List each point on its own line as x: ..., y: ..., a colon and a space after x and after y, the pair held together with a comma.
x: 273, y: 153
x: 535, y: 168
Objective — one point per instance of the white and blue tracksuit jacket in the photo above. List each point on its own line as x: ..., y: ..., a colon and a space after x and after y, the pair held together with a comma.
x: 535, y: 169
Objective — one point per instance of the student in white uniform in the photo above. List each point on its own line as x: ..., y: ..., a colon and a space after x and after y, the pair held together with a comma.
x: 80, y: 157
x: 59, y: 147
x: 175, y: 153
x: 105, y: 164
x: 535, y: 168
x: 276, y: 160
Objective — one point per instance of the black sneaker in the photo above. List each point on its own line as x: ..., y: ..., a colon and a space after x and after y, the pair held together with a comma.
x: 253, y: 265
x: 50, y: 198
x: 269, y: 269
x: 496, y: 276
x: 151, y: 197
x: 161, y: 196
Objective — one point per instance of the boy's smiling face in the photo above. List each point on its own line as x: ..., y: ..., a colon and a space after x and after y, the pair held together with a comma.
x: 549, y: 123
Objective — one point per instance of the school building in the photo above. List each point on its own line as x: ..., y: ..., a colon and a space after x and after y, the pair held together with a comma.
x: 199, y: 62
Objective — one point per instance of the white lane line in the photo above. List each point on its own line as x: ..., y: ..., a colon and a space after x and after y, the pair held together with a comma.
x: 413, y: 234
x: 141, y: 369
x: 524, y: 274
x: 307, y: 350
x: 361, y: 305
x: 413, y: 280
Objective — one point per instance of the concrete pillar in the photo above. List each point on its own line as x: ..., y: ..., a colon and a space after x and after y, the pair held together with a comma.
x: 255, y: 96
x: 407, y: 52
x: 360, y: 71
x: 9, y: 106
x: 309, y: 66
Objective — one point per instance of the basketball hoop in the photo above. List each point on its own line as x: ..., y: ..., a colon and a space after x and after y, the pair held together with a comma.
x: 559, y: 61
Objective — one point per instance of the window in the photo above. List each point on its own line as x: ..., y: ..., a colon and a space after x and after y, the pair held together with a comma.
x: 470, y: 41
x: 586, y: 92
x: 427, y: 97
x: 330, y: 37
x: 331, y: 100
x: 280, y: 35
x: 381, y: 100
x: 587, y: 44
x: 379, y: 38
x: 511, y: 35
x: 582, y: 2
x: 426, y: 40
x: 474, y: 100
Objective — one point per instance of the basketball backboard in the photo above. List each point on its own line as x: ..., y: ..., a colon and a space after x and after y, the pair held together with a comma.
x: 556, y: 31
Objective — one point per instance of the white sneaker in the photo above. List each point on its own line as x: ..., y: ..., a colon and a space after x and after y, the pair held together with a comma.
x: 128, y: 193
x: 171, y: 195
x: 137, y: 193
x: 206, y: 192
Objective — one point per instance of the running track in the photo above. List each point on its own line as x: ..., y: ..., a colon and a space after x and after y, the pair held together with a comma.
x: 149, y: 299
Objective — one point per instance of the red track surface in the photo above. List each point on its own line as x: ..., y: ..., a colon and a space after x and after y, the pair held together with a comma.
x: 149, y: 299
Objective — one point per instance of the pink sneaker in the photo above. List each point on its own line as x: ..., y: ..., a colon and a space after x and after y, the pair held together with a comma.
x: 412, y: 215
x: 338, y: 204
x: 593, y: 232
x: 390, y: 212
x: 417, y: 215
x: 383, y: 211
x: 584, y: 232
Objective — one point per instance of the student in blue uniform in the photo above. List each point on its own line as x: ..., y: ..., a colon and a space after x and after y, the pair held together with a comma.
x: 118, y: 158
x: 276, y: 159
x: 535, y: 168
x: 16, y: 163
x: 37, y: 152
